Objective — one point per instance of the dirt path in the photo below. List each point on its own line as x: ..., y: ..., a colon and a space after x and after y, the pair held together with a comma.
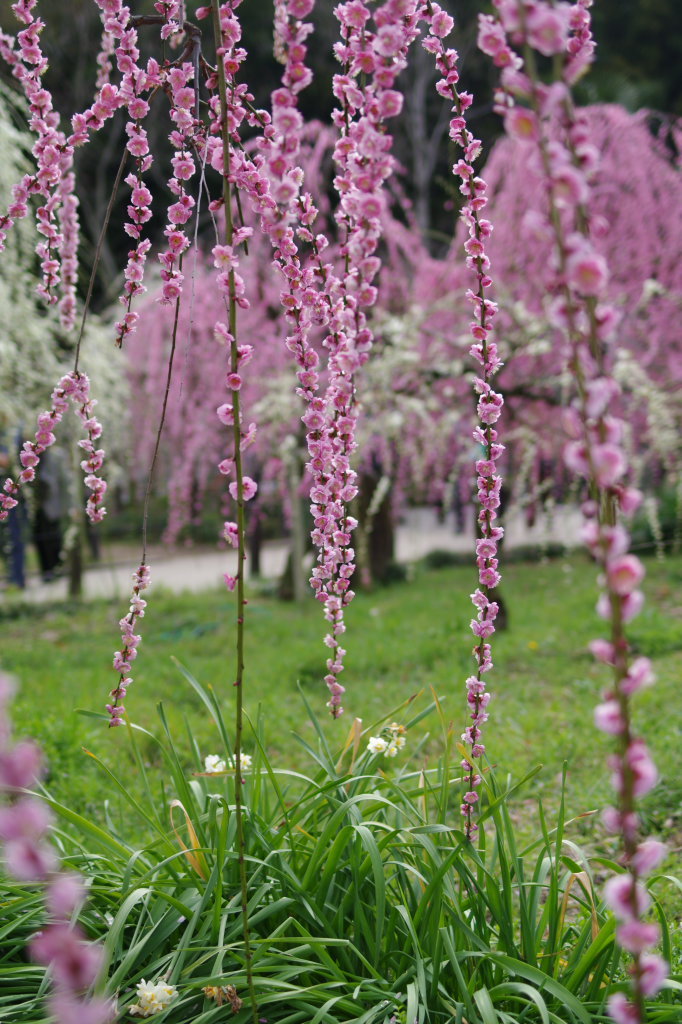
x: 181, y: 569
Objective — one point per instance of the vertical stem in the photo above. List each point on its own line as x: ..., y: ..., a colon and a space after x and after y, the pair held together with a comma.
x: 297, y: 530
x: 602, y: 494
x: 76, y: 529
x: 241, y: 532
x: 98, y: 255
x: 162, y: 420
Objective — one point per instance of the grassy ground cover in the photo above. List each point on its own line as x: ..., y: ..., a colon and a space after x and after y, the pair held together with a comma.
x: 402, y: 641
x: 366, y: 902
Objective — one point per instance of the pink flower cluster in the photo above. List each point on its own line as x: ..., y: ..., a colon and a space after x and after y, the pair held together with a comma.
x: 595, y: 450
x: 135, y: 83
x: 243, y: 488
x: 629, y: 900
x: 183, y: 99
x: 129, y: 644
x: 75, y: 387
x: 52, y: 155
x: 551, y: 29
x: 306, y: 301
x: 490, y: 403
x: 169, y: 9
x: 134, y: 92
x: 68, y: 217
x: 314, y: 294
x: 239, y: 171
x: 634, y: 773
x: 372, y: 58
x: 54, y: 180
x: 29, y: 857
x: 291, y: 31
x: 58, y: 221
x: 106, y: 51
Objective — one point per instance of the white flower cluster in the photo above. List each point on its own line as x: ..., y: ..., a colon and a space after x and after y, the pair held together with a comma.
x: 152, y: 998
x: 389, y: 746
x: 215, y: 765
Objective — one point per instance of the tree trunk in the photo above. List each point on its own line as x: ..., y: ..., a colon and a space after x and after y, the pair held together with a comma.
x: 376, y: 543
x: 75, y: 566
x: 255, y: 543
x: 298, y: 534
x: 293, y: 585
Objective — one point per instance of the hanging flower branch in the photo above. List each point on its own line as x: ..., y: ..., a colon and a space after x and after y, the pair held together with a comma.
x: 75, y: 387
x: 489, y: 407
x: 371, y: 60
x: 567, y: 159
x: 315, y: 294
x: 52, y: 155
x: 29, y: 856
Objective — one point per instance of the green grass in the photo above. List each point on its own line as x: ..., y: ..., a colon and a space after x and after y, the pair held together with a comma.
x: 401, y: 641
x: 367, y: 905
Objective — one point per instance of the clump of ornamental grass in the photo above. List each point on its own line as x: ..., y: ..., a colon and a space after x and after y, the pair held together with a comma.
x: 366, y: 902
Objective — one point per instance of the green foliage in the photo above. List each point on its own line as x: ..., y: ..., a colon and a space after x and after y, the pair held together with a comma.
x: 366, y: 902
x: 441, y: 559
x: 406, y: 639
x: 636, y: 62
x: 659, y: 523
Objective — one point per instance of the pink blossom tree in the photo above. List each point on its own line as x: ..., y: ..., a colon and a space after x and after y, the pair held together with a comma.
x: 561, y: 152
x: 417, y: 390
x: 274, y: 248
x: 634, y: 203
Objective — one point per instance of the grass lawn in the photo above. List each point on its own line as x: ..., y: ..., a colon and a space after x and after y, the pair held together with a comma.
x: 401, y: 641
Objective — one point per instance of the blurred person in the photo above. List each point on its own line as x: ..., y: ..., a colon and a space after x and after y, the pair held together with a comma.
x: 51, y: 505
x: 12, y: 535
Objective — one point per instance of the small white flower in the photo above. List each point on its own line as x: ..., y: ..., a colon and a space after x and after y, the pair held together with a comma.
x: 246, y: 761
x: 213, y: 763
x: 152, y: 998
x: 399, y: 741
x: 377, y: 745
x: 391, y: 749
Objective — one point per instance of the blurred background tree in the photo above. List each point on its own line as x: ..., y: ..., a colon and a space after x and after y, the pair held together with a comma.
x: 35, y: 351
x: 639, y: 42
x: 637, y: 65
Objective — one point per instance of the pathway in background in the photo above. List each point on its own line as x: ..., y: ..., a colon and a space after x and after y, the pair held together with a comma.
x: 180, y: 569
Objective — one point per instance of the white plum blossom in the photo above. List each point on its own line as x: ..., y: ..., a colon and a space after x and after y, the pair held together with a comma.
x: 215, y: 765
x: 390, y: 746
x: 153, y: 997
